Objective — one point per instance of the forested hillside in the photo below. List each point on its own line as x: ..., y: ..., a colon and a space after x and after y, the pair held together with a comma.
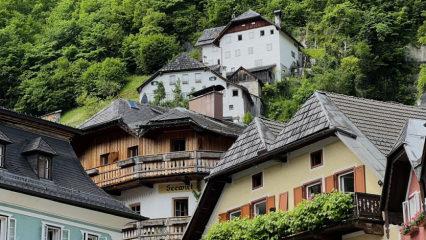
x: 58, y: 54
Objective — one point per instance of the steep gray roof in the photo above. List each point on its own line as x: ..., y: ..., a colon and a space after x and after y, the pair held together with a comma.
x: 182, y: 62
x: 246, y: 15
x: 69, y: 182
x: 209, y: 35
x: 368, y: 127
x: 254, y: 140
x: 128, y: 112
x: 38, y: 145
x: 177, y: 116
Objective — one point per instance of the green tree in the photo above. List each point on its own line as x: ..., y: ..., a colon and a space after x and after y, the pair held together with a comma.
x: 159, y: 94
x: 247, y: 118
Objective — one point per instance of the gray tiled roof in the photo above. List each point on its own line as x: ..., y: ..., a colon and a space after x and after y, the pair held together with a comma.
x: 177, y: 116
x: 246, y: 15
x: 69, y: 182
x: 182, y: 62
x: 374, y: 125
x: 122, y: 110
x: 209, y: 35
x: 38, y: 145
x: 4, y: 138
x: 257, y: 136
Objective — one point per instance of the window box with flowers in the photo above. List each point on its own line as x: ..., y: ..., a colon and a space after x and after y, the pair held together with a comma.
x: 412, y: 228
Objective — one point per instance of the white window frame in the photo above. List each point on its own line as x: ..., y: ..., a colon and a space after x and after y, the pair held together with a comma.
x: 4, y: 220
x: 45, y: 225
x: 233, y: 213
x: 255, y: 206
x: 269, y: 47
x: 86, y: 234
x: 411, y: 206
x: 340, y: 181
x: 311, y: 185
x: 231, y: 107
x: 197, y: 77
x: 185, y: 78
x: 172, y: 79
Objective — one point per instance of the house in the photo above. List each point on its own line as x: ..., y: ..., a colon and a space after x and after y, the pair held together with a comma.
x: 253, y: 42
x: 193, y: 76
x: 333, y: 142
x: 44, y: 191
x: 403, y: 198
x: 154, y: 160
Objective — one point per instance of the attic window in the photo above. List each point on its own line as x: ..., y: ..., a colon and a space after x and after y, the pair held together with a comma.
x: 316, y: 159
x: 240, y: 37
x: 2, y: 154
x: 262, y: 33
x: 44, y: 166
x: 272, y: 31
x: 257, y: 181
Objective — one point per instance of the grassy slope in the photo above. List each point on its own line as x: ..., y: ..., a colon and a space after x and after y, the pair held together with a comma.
x: 77, y: 115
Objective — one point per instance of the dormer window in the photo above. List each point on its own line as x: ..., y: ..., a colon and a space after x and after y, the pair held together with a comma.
x: 44, y: 166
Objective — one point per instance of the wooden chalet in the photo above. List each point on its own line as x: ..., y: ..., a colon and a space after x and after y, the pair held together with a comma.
x: 146, y: 155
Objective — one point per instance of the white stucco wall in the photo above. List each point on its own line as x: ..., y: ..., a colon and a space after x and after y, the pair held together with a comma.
x: 156, y: 204
x: 287, y: 46
x: 211, y: 55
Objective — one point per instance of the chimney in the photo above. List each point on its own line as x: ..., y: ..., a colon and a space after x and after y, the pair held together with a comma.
x: 208, y: 101
x: 278, y: 15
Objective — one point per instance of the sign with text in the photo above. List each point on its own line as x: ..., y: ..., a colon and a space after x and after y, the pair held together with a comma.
x: 176, y: 187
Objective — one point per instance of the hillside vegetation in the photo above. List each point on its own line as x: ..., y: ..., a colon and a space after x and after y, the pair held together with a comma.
x: 61, y: 54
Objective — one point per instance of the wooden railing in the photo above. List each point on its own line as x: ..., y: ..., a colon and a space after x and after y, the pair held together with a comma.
x: 149, y: 166
x: 367, y: 207
x: 157, y: 229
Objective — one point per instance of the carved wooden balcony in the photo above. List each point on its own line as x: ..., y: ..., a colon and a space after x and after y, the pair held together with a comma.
x: 154, y: 166
x: 156, y: 229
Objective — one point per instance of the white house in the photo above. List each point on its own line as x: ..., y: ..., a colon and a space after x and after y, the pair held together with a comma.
x: 253, y: 42
x: 192, y: 76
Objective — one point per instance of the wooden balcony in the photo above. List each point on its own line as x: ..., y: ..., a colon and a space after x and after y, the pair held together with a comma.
x: 366, y: 216
x: 156, y: 229
x: 154, y: 166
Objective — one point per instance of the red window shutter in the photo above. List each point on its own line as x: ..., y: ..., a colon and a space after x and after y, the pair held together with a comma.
x: 359, y: 173
x: 223, y: 217
x: 330, y: 183
x: 283, y: 203
x: 246, y: 211
x: 298, y: 195
x: 270, y: 203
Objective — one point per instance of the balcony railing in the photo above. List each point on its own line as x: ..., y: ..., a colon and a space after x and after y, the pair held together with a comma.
x: 151, y: 166
x: 156, y: 229
x: 367, y: 207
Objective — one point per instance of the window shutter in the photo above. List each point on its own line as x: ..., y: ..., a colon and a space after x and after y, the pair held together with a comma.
x: 246, y: 211
x: 283, y: 203
x: 12, y: 229
x: 359, y: 173
x: 298, y: 195
x: 330, y: 183
x: 270, y: 203
x: 65, y: 234
x: 223, y: 217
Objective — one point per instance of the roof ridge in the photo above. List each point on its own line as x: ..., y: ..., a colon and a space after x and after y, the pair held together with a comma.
x: 259, y: 127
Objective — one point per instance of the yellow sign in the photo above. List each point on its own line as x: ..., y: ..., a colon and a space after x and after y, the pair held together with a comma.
x: 176, y: 187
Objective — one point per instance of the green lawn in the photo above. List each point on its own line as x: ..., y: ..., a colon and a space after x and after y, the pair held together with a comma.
x: 78, y: 115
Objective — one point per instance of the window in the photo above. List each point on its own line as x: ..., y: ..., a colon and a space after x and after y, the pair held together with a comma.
x: 250, y: 50
x: 227, y: 54
x: 257, y: 180
x: 44, y: 166
x: 154, y: 83
x: 104, y: 159
x: 178, y: 145
x: 235, y: 214
x: 240, y: 37
x: 272, y: 31
x: 52, y: 233
x: 133, y: 151
x: 2, y: 154
x: 3, y: 227
x: 313, y: 189
x: 235, y: 93
x: 269, y: 47
x: 251, y: 35
x: 136, y: 207
x: 293, y: 54
x: 237, y: 52
x: 411, y: 206
x: 185, y: 79
x: 316, y: 159
x: 198, y: 77
x: 346, y: 182
x: 90, y: 236
x: 213, y: 78
x: 231, y: 107
x: 262, y: 33
x: 172, y: 79
x: 258, y: 62
x: 181, y: 207
x: 259, y: 208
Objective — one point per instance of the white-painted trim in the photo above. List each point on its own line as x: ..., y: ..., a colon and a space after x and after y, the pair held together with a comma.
x: 86, y: 233
x: 44, y: 225
x: 4, y: 221
x: 57, y: 220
